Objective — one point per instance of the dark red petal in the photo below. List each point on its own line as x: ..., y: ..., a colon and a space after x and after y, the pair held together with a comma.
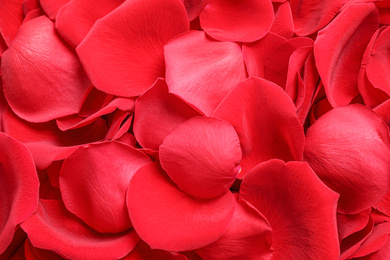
x: 188, y: 72
x: 349, y: 149
x: 339, y: 49
x: 34, y: 253
x: 143, y: 251
x: 19, y: 187
x: 11, y: 17
x: 352, y: 223
x: 237, y: 21
x: 266, y: 122
x: 123, y: 52
x: 94, y: 180
x: 157, y: 113
x: 194, y: 7
x: 38, y: 55
x: 248, y: 236
x: 30, y: 5
x: 283, y: 23
x: 168, y: 219
x: 202, y: 156
x: 299, y: 207
x: 75, y: 19
x: 52, y: 7
x: 55, y: 229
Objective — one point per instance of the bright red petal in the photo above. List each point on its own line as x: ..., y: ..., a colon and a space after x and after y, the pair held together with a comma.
x: 349, y: 224
x: 11, y: 17
x: 52, y: 7
x: 194, y: 7
x: 283, y: 23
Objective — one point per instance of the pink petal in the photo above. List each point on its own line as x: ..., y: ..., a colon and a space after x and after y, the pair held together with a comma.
x: 188, y: 72
x: 248, y: 236
x: 168, y: 219
x: 194, y: 7
x: 11, y: 17
x: 52, y: 7
x: 283, y: 23
x: 19, y: 186
x: 257, y: 102
x: 92, y: 192
x: 123, y: 52
x: 349, y: 149
x: 75, y: 19
x: 202, y: 156
x: 157, y: 113
x: 38, y: 55
x: 299, y: 207
x: 52, y: 225
x: 237, y: 21
x: 339, y: 49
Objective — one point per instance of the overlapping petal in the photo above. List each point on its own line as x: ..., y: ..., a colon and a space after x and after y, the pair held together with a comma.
x: 194, y: 7
x: 11, y: 17
x: 51, y: 8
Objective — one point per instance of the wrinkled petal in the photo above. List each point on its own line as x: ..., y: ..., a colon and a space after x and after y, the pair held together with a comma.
x: 123, y: 52
x: 294, y: 201
x: 94, y: 181
x: 349, y: 149
x: 168, y: 219
x: 11, y: 17
x: 202, y: 78
x: 202, y: 156
x: 266, y: 122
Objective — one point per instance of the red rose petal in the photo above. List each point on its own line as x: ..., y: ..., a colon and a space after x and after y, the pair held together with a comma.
x: 19, y: 186
x: 123, y: 52
x: 143, y: 251
x: 299, y: 207
x: 11, y: 17
x: 157, y: 113
x: 349, y: 224
x: 52, y: 7
x: 194, y: 7
x: 202, y: 156
x: 188, y: 72
x: 30, y: 5
x: 266, y: 122
x: 38, y: 55
x: 92, y: 192
x: 283, y: 23
x: 34, y: 253
x: 339, y: 49
x: 349, y: 149
x: 168, y: 219
x: 55, y: 229
x: 237, y: 21
x: 382, y: 254
x: 248, y: 236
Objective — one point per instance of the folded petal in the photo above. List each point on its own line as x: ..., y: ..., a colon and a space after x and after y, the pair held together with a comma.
x: 51, y: 8
x: 349, y: 149
x: 11, y: 17
x: 283, y: 23
x: 194, y: 7
x: 168, y: 219
x: 349, y: 224
x: 237, y: 21
x: 39, y: 55
x: 123, y: 52
x: 299, y: 207
x: 205, y: 76
x: 265, y: 120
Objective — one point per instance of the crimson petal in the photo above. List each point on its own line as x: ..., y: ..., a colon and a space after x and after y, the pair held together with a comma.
x: 11, y: 17
x: 283, y: 23
x: 194, y: 7
x: 51, y: 8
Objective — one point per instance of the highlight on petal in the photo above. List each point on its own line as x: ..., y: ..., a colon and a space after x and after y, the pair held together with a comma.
x: 157, y: 113
x: 265, y: 120
x: 19, y: 187
x: 294, y: 201
x: 237, y: 21
x: 349, y: 149
x: 11, y: 17
x: 94, y: 181
x: 168, y: 219
x: 202, y: 156
x: 339, y: 49
x: 52, y: 225
x: 38, y: 55
x: 205, y: 76
x: 123, y: 52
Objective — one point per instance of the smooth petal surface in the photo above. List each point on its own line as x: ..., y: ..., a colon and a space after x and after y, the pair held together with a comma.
x: 38, y: 55
x: 94, y: 181
x: 349, y: 149
x: 339, y: 49
x: 237, y: 21
x: 202, y: 156
x: 168, y: 219
x: 19, y: 187
x: 283, y: 23
x: 143, y: 251
x: 202, y: 78
x: 52, y: 225
x: 299, y: 207
x: 51, y: 8
x: 157, y: 113
x: 349, y: 224
x: 194, y: 7
x: 11, y: 17
x: 123, y: 52
x: 265, y: 120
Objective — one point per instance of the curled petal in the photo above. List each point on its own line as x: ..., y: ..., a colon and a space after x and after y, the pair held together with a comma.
x: 194, y: 7
x: 283, y: 23
x: 349, y: 224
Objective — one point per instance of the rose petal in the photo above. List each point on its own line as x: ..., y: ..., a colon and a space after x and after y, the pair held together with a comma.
x: 237, y: 21
x: 30, y: 5
x: 349, y: 224
x: 349, y: 149
x: 168, y: 219
x: 283, y: 23
x: 143, y: 251
x: 52, y: 7
x: 123, y: 52
x: 189, y: 74
x: 266, y: 122
x: 194, y: 7
x: 294, y: 201
x: 34, y: 253
x: 11, y: 17
x: 382, y: 254
x: 202, y: 156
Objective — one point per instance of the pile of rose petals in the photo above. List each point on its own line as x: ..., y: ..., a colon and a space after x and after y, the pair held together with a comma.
x: 195, y: 129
